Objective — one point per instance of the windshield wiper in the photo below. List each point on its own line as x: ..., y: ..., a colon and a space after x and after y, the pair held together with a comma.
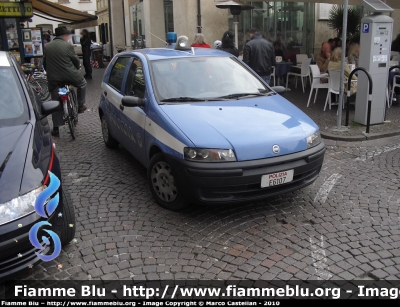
x: 181, y: 99
x: 239, y: 95
x: 188, y: 99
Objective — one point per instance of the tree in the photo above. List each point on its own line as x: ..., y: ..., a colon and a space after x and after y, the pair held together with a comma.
x: 335, y: 20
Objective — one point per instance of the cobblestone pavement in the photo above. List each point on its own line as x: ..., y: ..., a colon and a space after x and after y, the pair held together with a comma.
x: 327, y: 120
x: 344, y: 226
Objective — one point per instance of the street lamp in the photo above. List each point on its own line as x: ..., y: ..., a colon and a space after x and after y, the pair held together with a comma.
x: 235, y: 7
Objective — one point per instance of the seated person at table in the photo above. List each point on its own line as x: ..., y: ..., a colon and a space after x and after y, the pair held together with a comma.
x: 354, y: 52
x: 338, y: 42
x: 335, y: 64
x: 324, y: 57
x: 332, y: 43
x: 278, y: 50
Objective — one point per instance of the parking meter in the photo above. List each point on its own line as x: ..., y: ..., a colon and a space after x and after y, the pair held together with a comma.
x: 375, y: 45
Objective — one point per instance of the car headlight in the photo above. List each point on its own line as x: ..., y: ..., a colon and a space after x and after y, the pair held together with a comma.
x: 19, y: 206
x: 314, y: 139
x: 209, y: 155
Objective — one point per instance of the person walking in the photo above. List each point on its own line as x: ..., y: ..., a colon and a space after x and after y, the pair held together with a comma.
x: 259, y: 55
x: 86, y: 42
x: 228, y: 45
x: 63, y: 67
x: 199, y: 41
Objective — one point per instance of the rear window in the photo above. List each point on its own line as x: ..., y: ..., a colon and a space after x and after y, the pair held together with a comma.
x: 13, y: 106
x: 118, y: 72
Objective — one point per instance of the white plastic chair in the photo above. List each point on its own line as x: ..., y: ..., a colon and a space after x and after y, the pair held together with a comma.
x: 273, y: 73
x: 316, y: 82
x: 300, y: 58
x: 333, y: 86
x: 304, y: 73
x: 394, y: 85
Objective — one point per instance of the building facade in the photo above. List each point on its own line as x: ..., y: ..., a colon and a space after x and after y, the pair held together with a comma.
x: 300, y: 26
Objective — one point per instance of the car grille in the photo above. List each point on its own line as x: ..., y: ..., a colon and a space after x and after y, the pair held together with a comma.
x: 254, y: 191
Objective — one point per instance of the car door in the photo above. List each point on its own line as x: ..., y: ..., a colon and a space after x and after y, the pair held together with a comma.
x: 112, y: 91
x: 76, y: 42
x: 135, y: 117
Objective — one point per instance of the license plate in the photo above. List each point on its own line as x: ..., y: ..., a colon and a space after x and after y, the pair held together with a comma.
x: 274, y: 179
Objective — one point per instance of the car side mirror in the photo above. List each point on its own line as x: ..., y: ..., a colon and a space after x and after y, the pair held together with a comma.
x: 49, y: 107
x: 279, y: 89
x: 131, y: 101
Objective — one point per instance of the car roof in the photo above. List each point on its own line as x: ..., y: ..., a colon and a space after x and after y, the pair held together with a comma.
x: 154, y: 54
x: 4, y: 60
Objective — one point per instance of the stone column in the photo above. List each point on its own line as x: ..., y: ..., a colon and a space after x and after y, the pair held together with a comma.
x: 214, y: 21
x: 116, y: 12
x: 154, y: 22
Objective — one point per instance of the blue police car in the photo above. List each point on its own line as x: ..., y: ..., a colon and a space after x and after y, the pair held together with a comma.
x: 207, y: 128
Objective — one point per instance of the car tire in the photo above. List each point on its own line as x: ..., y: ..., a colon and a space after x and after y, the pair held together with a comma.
x: 66, y: 232
x: 107, y: 137
x: 162, y: 184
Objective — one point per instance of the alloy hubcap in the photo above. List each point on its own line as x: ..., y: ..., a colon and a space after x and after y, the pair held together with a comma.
x: 163, y: 182
x: 104, y: 129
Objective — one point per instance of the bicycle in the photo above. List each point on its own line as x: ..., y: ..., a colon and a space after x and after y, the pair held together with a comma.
x: 70, y: 107
x: 38, y: 81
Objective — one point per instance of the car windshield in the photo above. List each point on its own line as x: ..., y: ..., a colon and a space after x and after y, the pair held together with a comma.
x: 13, y: 110
x: 203, y: 78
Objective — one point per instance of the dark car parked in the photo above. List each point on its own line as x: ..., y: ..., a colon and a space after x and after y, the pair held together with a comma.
x: 27, y: 160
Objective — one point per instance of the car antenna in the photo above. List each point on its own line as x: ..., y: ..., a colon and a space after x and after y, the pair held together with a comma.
x: 158, y: 38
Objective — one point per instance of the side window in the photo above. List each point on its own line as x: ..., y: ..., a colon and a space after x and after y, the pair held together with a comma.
x: 135, y: 84
x: 118, y: 72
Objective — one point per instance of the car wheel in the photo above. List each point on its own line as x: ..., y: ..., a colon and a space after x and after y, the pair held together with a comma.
x: 67, y: 225
x: 107, y: 137
x: 162, y: 184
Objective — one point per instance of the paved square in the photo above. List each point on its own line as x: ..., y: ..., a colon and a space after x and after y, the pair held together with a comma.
x: 344, y: 226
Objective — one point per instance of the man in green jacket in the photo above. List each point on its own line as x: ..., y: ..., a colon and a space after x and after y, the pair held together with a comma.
x: 63, y: 67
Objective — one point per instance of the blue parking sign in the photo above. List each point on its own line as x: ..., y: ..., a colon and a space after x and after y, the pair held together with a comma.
x: 365, y: 28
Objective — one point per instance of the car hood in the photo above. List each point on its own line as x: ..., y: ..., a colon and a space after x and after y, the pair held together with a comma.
x: 14, y: 142
x: 251, y: 127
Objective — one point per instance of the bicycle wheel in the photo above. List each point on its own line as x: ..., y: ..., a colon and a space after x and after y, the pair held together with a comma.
x: 74, y: 100
x: 45, y: 93
x: 40, y: 88
x: 70, y: 120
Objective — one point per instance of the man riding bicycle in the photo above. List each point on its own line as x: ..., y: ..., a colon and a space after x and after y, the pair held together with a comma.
x: 62, y: 67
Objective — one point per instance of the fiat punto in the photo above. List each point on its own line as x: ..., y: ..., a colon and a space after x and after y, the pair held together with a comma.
x: 206, y: 127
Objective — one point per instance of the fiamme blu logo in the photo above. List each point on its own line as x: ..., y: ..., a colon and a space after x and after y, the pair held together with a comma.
x: 45, y: 207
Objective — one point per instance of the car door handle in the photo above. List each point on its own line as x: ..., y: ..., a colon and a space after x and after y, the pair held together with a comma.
x: 105, y: 93
x: 121, y: 107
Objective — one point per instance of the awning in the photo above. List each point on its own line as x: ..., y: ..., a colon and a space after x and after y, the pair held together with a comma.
x: 57, y: 12
x: 392, y: 3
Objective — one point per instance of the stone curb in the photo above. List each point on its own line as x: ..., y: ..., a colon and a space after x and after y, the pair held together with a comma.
x: 358, y: 138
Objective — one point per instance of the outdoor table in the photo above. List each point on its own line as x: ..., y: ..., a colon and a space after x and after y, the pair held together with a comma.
x: 281, y: 69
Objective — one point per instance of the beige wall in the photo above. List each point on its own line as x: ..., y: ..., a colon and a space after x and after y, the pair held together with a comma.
x: 214, y: 21
x: 154, y: 22
x: 322, y: 34
x: 185, y: 17
x: 118, y: 24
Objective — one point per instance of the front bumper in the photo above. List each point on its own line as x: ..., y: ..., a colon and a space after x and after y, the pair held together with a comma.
x: 209, y: 183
